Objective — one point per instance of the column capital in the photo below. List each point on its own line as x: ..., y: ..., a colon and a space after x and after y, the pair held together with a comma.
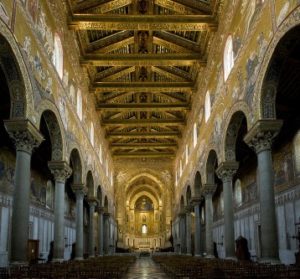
x: 92, y: 201
x: 100, y: 209
x: 196, y: 200
x: 261, y: 135
x: 188, y: 209
x: 60, y: 170
x: 181, y: 213
x: 209, y: 189
x: 24, y: 134
x: 106, y: 214
x: 79, y: 189
x: 226, y: 170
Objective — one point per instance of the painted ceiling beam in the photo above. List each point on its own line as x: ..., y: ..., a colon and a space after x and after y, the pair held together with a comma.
x: 196, y: 4
x: 115, y: 46
x: 143, y: 154
x: 177, y: 40
x: 176, y: 7
x: 143, y: 106
x: 151, y: 87
x: 171, y: 45
x: 87, y: 4
x: 142, y: 22
x: 167, y: 74
x: 116, y: 146
x: 119, y: 74
x: 138, y: 59
x: 148, y: 135
x: 108, y: 40
x: 109, y: 72
x: 143, y: 122
x: 104, y: 7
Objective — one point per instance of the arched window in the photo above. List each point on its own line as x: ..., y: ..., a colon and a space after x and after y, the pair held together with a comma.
x: 228, y: 58
x: 207, y: 106
x: 176, y: 178
x: 111, y: 178
x: 186, y: 153
x: 79, y: 104
x: 296, y: 144
x: 238, y: 192
x: 195, y: 135
x: 92, y: 134
x: 58, y: 57
x: 100, y: 154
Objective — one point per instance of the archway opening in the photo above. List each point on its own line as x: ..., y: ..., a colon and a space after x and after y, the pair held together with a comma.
x: 7, y: 149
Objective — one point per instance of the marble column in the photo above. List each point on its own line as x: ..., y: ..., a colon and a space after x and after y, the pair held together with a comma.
x: 225, y: 171
x: 197, y: 237
x: 100, y: 231
x: 61, y: 171
x: 92, y: 204
x: 106, y: 240
x: 26, y: 137
x: 80, y: 192
x: 182, y: 232
x: 208, y: 192
x: 188, y: 234
x: 260, y: 138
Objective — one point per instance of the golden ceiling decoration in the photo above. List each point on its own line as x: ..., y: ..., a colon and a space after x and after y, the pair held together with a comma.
x: 143, y: 59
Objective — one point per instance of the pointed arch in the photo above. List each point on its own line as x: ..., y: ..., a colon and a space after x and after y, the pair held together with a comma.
x: 90, y: 184
x: 75, y: 163
x: 211, y: 165
x: 16, y: 74
x: 197, y: 184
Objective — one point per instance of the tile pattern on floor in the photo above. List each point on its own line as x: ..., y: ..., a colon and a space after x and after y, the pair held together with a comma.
x: 145, y: 268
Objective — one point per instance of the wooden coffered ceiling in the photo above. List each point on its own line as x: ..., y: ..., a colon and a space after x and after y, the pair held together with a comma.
x: 143, y: 58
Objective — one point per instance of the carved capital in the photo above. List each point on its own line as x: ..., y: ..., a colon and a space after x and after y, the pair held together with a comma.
x: 92, y: 201
x: 100, y: 209
x: 261, y: 135
x: 24, y: 134
x: 209, y: 189
x: 188, y: 209
x: 60, y: 170
x: 106, y: 215
x: 226, y: 170
x: 181, y: 214
x: 197, y: 200
x: 80, y: 190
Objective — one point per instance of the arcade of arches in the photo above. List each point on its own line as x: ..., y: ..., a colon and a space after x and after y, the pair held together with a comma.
x: 149, y: 125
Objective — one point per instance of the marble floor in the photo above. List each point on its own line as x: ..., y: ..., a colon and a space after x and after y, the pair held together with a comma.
x: 145, y: 268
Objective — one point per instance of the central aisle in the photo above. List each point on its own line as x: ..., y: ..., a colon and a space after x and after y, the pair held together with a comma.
x: 145, y: 268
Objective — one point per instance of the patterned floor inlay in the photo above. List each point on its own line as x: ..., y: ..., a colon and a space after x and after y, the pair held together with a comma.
x: 145, y: 268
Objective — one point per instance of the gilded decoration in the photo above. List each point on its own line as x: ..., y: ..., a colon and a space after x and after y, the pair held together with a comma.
x: 143, y: 58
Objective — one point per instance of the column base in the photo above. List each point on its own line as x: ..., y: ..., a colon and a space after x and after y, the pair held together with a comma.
x: 58, y: 260
x: 198, y: 255
x: 269, y: 260
x: 209, y: 256
x: 78, y: 258
x: 92, y: 256
x: 188, y: 254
